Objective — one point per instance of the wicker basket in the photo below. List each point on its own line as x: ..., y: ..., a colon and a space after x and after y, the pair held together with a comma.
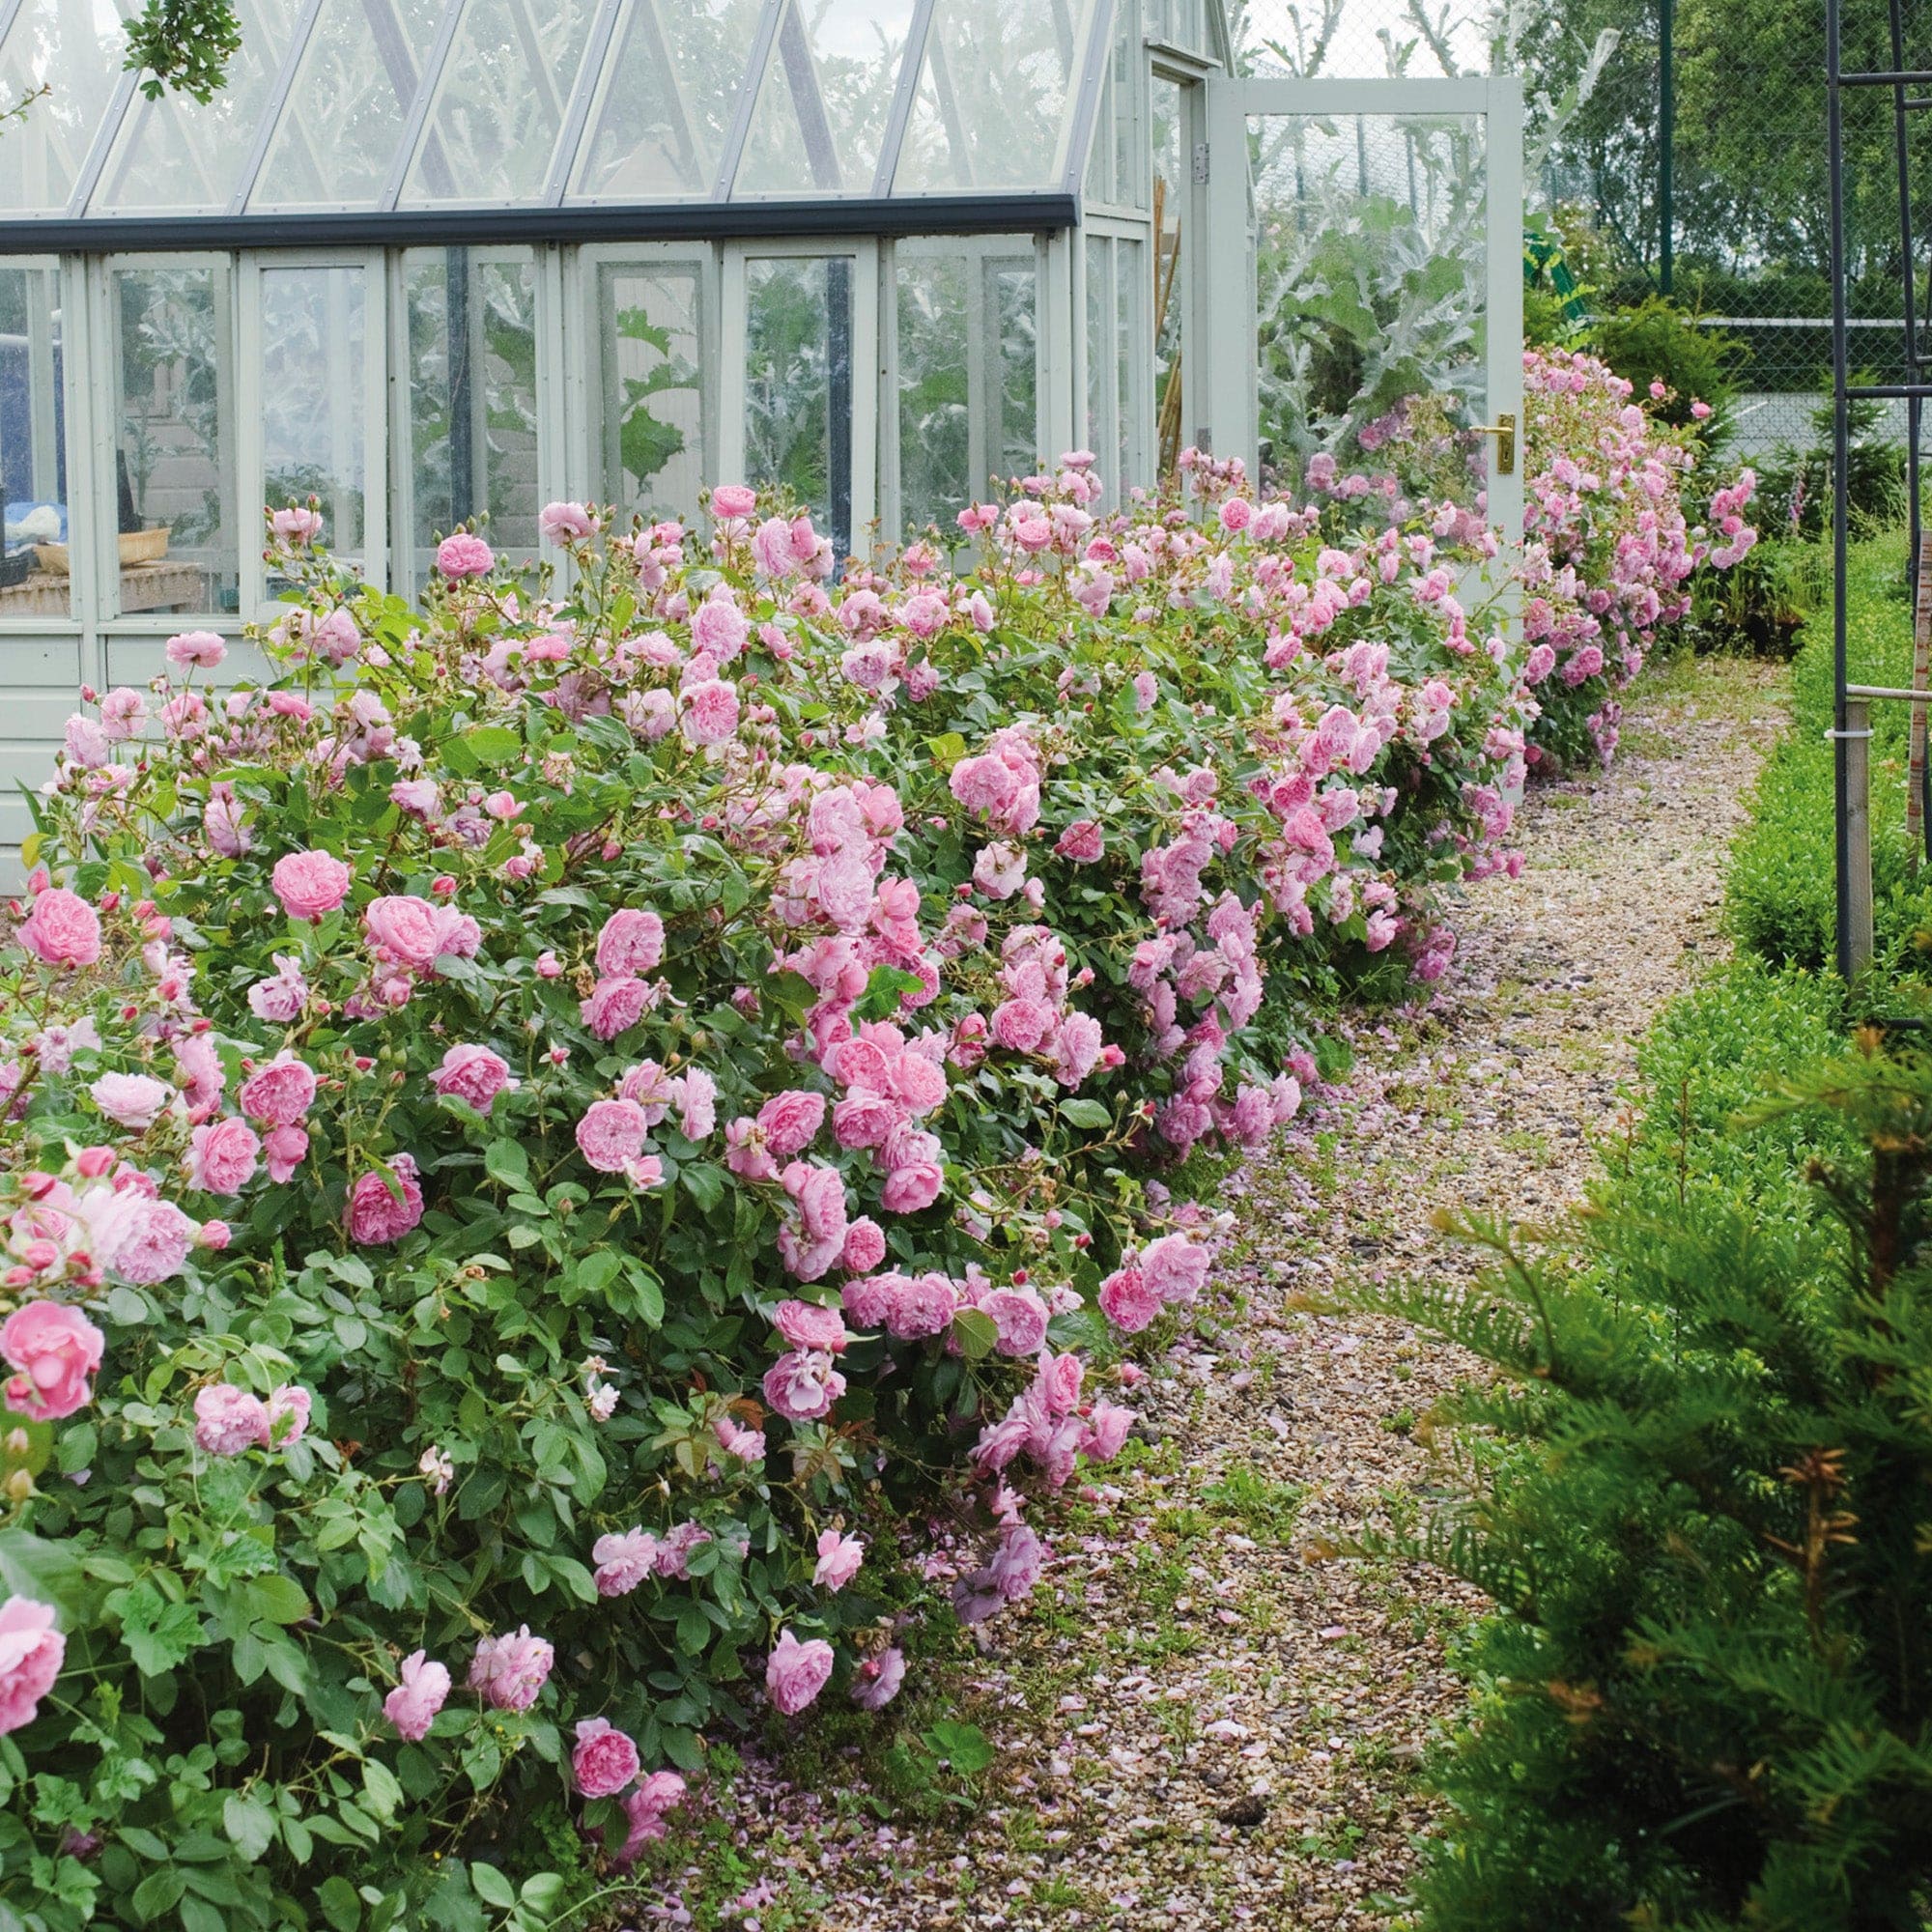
x: 136, y: 547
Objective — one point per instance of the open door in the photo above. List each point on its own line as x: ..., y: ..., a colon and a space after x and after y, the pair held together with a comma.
x: 1379, y: 226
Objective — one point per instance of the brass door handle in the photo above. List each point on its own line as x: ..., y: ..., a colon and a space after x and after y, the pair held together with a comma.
x: 1503, y: 428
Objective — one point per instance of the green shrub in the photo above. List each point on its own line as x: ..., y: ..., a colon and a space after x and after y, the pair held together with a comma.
x: 1796, y: 484
x: 1656, y: 341
x: 1704, y: 1514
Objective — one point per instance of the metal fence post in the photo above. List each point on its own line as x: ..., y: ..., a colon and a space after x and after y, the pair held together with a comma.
x: 1855, y: 748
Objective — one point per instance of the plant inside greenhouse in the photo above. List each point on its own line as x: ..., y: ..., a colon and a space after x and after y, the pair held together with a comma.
x: 963, y: 966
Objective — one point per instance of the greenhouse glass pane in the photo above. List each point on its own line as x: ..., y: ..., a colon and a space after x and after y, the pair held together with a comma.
x: 670, y: 97
x: 798, y: 384
x: 994, y: 94
x: 33, y: 433
x: 314, y: 349
x: 656, y: 378
x: 1100, y: 437
x: 74, y: 49
x: 831, y: 78
x: 173, y: 431
x: 1132, y: 366
x: 337, y: 138
x: 500, y: 102
x: 177, y: 155
x: 968, y: 384
x: 471, y: 371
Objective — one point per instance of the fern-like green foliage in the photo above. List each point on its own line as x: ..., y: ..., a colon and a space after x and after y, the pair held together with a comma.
x: 1700, y: 1490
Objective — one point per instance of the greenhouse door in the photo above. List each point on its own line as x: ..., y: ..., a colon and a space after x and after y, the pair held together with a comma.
x: 1380, y: 224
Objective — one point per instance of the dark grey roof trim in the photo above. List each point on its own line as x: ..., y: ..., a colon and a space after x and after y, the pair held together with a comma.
x: 441, y: 227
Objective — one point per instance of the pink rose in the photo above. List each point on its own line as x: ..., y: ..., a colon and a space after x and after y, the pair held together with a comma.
x: 563, y: 523
x: 864, y: 1246
x: 1175, y: 1267
x: 624, y: 1558
x: 411, y: 930
x: 281, y: 1093
x: 717, y: 626
x: 920, y: 1081
x: 790, y: 1120
x: 912, y: 1186
x: 795, y: 1672
x: 806, y: 1325
x: 710, y: 712
x: 284, y: 1150
x: 876, y: 1680
x: 610, y: 1135
x: 1127, y: 1301
x: 1107, y: 1425
x: 61, y: 929
x: 631, y: 942
x: 1020, y: 1316
x: 296, y: 525
x: 733, y: 501
x: 195, y: 647
x: 31, y: 1652
x: 644, y: 1812
x: 54, y: 1349
x: 421, y: 1690
x: 862, y: 1119
x: 132, y: 1100
x: 511, y: 1670
x: 1081, y: 842
x: 803, y: 1385
x: 838, y: 1559
x: 228, y: 1420
x: 310, y: 884
x: 472, y: 1073
x: 921, y: 1307
x: 222, y: 1156
x: 605, y: 1761
x: 1022, y: 1026
x: 735, y: 1440
x: 616, y: 1004
x: 153, y: 1245
x: 461, y: 555
x: 376, y: 1214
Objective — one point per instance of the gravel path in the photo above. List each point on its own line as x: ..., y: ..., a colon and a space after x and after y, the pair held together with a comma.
x: 1203, y: 1724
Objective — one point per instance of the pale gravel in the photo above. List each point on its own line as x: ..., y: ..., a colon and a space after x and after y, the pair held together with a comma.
x: 1180, y: 1657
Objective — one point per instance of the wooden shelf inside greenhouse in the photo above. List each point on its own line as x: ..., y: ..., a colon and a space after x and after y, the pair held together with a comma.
x: 144, y: 586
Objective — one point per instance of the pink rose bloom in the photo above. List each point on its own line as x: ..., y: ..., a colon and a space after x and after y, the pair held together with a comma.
x: 411, y: 930
x: 213, y: 1236
x: 803, y: 1385
x: 224, y: 823
x: 838, y: 1559
x: 862, y: 1119
x: 710, y: 713
x: 310, y: 884
x: 605, y: 1761
x: 806, y: 1325
x: 735, y: 1440
x: 154, y: 1244
x: 472, y: 1073
x: 376, y: 1216
x: 694, y: 1094
x: 734, y: 499
x: 1076, y: 1047
x: 644, y: 1810
x: 1020, y: 1316
x: 123, y: 713
x: 284, y: 1150
x: 610, y: 1135
x: 461, y: 555
x: 1107, y: 1425
x: 616, y: 1004
x: 132, y: 1100
x: 790, y: 1120
x: 1022, y: 1026
x: 281, y: 997
x: 421, y: 1690
x: 1127, y: 1301
x: 674, y: 1551
x: 631, y: 942
x: 623, y: 1559
x: 281, y: 1093
x: 921, y: 1307
x: 195, y: 647
x: 984, y: 783
x: 54, y: 1349
x: 920, y: 1081
x: 31, y: 1652
x: 864, y: 1246
x: 288, y: 1414
x: 1175, y: 1267
x: 222, y: 1156
x: 563, y: 523
x: 795, y: 1672
x: 296, y: 525
x: 912, y: 1186
x: 876, y: 1680
x: 61, y: 929
x: 227, y: 1420
x: 1147, y: 688
x: 511, y: 1670
x: 717, y: 626
x: 1082, y: 842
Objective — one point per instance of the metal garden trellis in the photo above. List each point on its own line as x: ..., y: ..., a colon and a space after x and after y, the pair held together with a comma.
x: 1851, y: 730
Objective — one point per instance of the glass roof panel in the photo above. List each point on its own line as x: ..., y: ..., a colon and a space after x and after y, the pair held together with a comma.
x: 73, y: 48
x: 835, y: 66
x: 670, y: 93
x: 178, y: 155
x: 995, y: 91
x: 337, y: 138
x: 500, y: 102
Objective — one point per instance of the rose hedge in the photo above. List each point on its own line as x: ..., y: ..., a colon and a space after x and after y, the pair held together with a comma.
x: 542, y: 1146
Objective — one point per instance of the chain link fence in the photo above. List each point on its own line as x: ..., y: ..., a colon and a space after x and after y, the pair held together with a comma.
x: 1677, y: 146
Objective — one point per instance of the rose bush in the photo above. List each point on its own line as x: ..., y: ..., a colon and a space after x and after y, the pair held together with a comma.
x: 543, y: 1144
